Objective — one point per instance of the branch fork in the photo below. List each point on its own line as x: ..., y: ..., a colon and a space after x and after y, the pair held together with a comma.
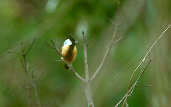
x: 88, y: 79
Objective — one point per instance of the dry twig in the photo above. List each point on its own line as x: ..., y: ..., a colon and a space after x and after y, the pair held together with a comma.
x: 24, y: 61
x: 76, y: 74
x: 131, y: 89
x: 88, y: 84
x: 148, y: 52
x: 132, y: 86
x: 106, y: 54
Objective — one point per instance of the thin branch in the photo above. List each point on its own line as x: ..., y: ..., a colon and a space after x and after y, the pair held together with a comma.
x: 30, y: 46
x: 85, y: 57
x: 26, y: 67
x: 106, y: 54
x: 76, y: 74
x: 55, y: 47
x: 89, y: 94
x: 130, y: 87
x: 34, y: 85
x: 148, y: 52
x: 88, y: 84
x: 127, y: 104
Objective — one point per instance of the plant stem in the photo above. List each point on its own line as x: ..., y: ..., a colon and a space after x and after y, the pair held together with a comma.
x: 106, y: 54
x: 87, y: 84
x: 89, y: 94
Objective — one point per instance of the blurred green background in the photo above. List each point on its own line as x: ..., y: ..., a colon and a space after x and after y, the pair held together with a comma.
x: 140, y: 22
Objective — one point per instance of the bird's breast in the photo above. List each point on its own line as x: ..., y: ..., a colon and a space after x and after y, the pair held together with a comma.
x: 69, y: 53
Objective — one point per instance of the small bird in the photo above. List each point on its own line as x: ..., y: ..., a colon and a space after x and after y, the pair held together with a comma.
x: 69, y: 51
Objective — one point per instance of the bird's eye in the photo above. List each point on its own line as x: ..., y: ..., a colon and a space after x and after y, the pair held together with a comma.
x: 68, y: 42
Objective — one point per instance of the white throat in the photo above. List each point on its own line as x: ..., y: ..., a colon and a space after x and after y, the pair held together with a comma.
x: 67, y: 42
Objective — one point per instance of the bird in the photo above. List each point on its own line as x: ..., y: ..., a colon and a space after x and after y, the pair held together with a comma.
x: 69, y: 51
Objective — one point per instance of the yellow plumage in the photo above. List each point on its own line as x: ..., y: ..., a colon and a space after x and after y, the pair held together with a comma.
x: 69, y: 53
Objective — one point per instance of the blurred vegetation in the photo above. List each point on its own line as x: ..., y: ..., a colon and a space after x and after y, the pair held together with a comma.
x: 140, y: 22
